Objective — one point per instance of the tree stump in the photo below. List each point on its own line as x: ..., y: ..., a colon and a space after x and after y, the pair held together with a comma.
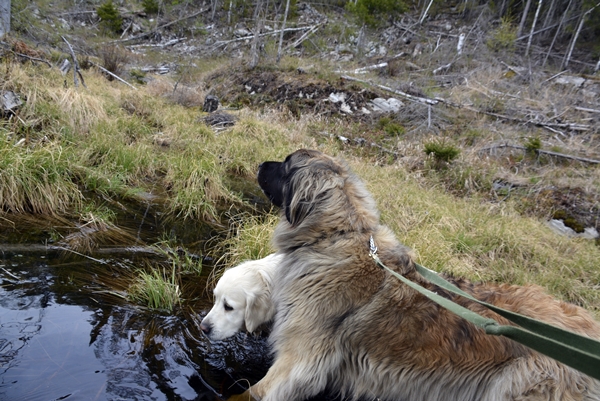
x: 211, y: 103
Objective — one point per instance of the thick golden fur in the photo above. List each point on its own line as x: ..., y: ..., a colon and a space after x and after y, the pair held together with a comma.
x: 344, y: 324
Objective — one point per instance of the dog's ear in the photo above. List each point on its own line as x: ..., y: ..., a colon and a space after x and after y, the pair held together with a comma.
x: 308, y: 187
x: 259, y: 310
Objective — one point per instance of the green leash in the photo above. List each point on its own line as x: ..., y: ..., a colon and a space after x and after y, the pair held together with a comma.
x: 577, y: 351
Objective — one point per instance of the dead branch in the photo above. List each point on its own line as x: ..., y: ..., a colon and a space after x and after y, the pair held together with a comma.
x: 113, y: 75
x: 32, y: 58
x: 146, y: 34
x: 76, y: 70
x: 226, y: 42
x: 304, y: 36
x: 554, y: 76
x: 166, y: 44
x: 540, y: 151
x: 569, y: 126
x: 364, y: 70
x: 442, y: 68
x: 396, y: 92
x: 25, y: 55
x: 586, y: 109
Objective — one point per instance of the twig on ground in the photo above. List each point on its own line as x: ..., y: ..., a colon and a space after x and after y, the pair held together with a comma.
x: 397, y: 92
x: 25, y: 55
x: 364, y: 70
x: 113, y: 75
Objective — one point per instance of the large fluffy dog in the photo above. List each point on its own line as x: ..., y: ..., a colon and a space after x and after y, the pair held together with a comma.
x: 344, y: 324
x: 242, y: 298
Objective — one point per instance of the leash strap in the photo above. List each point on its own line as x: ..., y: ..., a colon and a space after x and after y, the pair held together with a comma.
x: 579, y: 352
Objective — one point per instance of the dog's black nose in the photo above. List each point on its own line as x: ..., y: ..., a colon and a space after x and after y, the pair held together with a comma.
x: 206, y: 328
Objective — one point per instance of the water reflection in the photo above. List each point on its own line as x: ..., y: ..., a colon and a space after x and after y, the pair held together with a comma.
x: 47, y: 354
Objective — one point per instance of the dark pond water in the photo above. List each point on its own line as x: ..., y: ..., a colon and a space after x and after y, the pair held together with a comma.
x: 65, y: 335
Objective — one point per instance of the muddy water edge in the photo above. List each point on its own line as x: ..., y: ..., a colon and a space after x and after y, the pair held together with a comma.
x: 68, y: 332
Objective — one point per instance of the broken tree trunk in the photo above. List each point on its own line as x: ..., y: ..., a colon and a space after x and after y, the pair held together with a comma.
x: 4, y: 17
x: 76, y: 70
x: 576, y: 36
x: 535, y: 18
x: 255, y: 48
x: 560, y: 25
x: 523, y: 18
x: 285, y: 14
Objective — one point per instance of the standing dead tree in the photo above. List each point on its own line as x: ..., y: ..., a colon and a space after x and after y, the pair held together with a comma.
x: 255, y: 47
x: 537, y: 14
x: 576, y: 36
x: 76, y: 70
x: 285, y: 15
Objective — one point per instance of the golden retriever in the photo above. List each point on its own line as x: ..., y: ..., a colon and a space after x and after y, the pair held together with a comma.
x: 344, y: 324
x: 242, y: 299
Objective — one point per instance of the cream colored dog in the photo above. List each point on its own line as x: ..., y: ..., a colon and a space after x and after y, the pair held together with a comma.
x: 242, y: 299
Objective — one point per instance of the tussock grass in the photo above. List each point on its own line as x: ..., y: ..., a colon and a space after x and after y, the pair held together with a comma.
x: 248, y: 237
x: 35, y: 180
x: 157, y: 289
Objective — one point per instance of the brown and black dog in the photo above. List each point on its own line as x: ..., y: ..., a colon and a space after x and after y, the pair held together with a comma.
x: 346, y: 325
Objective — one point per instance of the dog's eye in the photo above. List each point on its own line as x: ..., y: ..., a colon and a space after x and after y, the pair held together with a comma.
x: 227, y: 306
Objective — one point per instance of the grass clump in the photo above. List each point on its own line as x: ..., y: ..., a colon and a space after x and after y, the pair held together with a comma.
x: 37, y: 180
x: 390, y: 127
x: 533, y: 144
x: 441, y: 151
x: 157, y: 289
x: 248, y: 237
x: 178, y: 257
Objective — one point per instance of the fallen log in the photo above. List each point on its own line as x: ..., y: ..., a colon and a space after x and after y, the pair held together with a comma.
x: 541, y: 151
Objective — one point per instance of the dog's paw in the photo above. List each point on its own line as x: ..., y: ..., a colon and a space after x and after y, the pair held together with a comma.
x: 245, y: 396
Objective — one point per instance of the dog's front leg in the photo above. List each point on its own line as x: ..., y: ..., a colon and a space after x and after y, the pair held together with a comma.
x: 290, y: 378
x: 245, y: 396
